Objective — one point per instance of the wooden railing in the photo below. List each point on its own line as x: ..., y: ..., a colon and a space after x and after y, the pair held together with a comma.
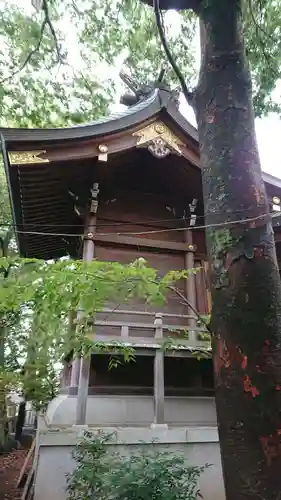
x: 29, y: 421
x: 155, y: 331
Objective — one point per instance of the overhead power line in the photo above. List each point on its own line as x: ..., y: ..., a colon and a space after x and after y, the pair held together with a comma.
x: 118, y: 222
x: 154, y: 231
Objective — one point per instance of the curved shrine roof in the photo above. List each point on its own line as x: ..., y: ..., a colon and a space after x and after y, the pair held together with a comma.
x: 159, y: 101
x: 41, y: 190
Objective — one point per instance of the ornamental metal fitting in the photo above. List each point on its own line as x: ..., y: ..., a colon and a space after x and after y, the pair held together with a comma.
x: 158, y: 148
x: 26, y: 157
x: 159, y: 139
x: 192, y: 248
x: 103, y: 150
x: 94, y: 198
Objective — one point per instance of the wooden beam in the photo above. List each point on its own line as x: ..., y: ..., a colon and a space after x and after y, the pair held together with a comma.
x: 26, y: 463
x: 147, y: 342
x: 143, y: 325
x: 82, y: 151
x: 75, y: 372
x: 85, y: 364
x: 135, y: 312
x: 190, y: 286
x: 191, y: 156
x: 75, y: 364
x: 82, y: 394
x: 116, y: 239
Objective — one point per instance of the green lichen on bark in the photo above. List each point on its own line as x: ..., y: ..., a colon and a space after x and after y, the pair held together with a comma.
x: 246, y: 289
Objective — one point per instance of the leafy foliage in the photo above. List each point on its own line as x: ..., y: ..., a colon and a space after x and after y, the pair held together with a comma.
x: 262, y: 25
x: 102, y: 474
x: 38, y: 88
x: 71, y: 79
x: 37, y: 297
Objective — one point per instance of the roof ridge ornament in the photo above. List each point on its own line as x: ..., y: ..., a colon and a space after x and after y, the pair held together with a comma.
x: 158, y: 139
x: 141, y: 92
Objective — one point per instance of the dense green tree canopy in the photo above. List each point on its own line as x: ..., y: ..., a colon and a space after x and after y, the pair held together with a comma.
x: 56, y: 70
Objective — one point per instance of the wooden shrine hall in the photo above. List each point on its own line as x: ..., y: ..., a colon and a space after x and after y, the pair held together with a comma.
x: 131, y: 181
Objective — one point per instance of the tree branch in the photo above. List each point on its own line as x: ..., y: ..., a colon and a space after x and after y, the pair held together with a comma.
x: 260, y: 29
x: 189, y: 95
x: 46, y: 21
x: 30, y: 55
x: 188, y: 303
x: 52, y: 29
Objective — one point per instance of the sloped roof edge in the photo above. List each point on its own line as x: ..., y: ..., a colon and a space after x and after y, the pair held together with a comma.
x: 158, y: 101
x: 271, y: 179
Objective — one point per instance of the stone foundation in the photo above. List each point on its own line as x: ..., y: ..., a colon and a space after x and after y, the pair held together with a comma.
x: 132, y: 410
x: 54, y: 454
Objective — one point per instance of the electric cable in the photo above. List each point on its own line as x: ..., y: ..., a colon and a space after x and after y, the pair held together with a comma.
x: 118, y: 222
x: 153, y: 231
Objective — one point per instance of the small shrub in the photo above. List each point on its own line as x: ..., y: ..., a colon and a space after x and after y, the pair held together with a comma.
x: 145, y: 475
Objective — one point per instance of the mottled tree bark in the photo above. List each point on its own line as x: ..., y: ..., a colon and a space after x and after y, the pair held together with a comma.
x: 20, y: 421
x: 246, y: 290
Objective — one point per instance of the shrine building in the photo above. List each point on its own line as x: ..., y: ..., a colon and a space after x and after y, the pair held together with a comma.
x: 117, y: 189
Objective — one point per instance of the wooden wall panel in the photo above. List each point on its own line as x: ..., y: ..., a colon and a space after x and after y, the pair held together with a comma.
x: 135, y: 212
x: 139, y: 214
x: 163, y: 262
x: 199, y: 240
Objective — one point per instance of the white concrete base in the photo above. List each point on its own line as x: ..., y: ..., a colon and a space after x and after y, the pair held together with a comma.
x: 198, y: 445
x: 159, y: 426
x: 105, y: 410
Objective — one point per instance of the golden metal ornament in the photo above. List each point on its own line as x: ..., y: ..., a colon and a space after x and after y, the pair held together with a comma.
x: 26, y: 157
x: 103, y: 150
x: 155, y: 131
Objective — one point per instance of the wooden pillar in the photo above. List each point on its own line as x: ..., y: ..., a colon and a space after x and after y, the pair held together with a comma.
x: 75, y: 371
x: 75, y: 364
x: 85, y: 363
x: 65, y: 376
x: 208, y: 287
x: 190, y: 284
x: 159, y: 387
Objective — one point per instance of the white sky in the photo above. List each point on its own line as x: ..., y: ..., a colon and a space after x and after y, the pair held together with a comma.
x: 268, y: 132
x: 268, y: 129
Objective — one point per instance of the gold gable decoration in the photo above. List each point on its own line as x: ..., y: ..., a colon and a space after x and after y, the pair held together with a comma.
x: 159, y: 139
x: 26, y: 157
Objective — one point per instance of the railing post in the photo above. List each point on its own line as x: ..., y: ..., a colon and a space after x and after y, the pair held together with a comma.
x: 159, y: 388
x: 124, y: 331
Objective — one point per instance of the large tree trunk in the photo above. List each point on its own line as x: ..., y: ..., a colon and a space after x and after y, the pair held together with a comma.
x: 20, y: 421
x: 246, y: 290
